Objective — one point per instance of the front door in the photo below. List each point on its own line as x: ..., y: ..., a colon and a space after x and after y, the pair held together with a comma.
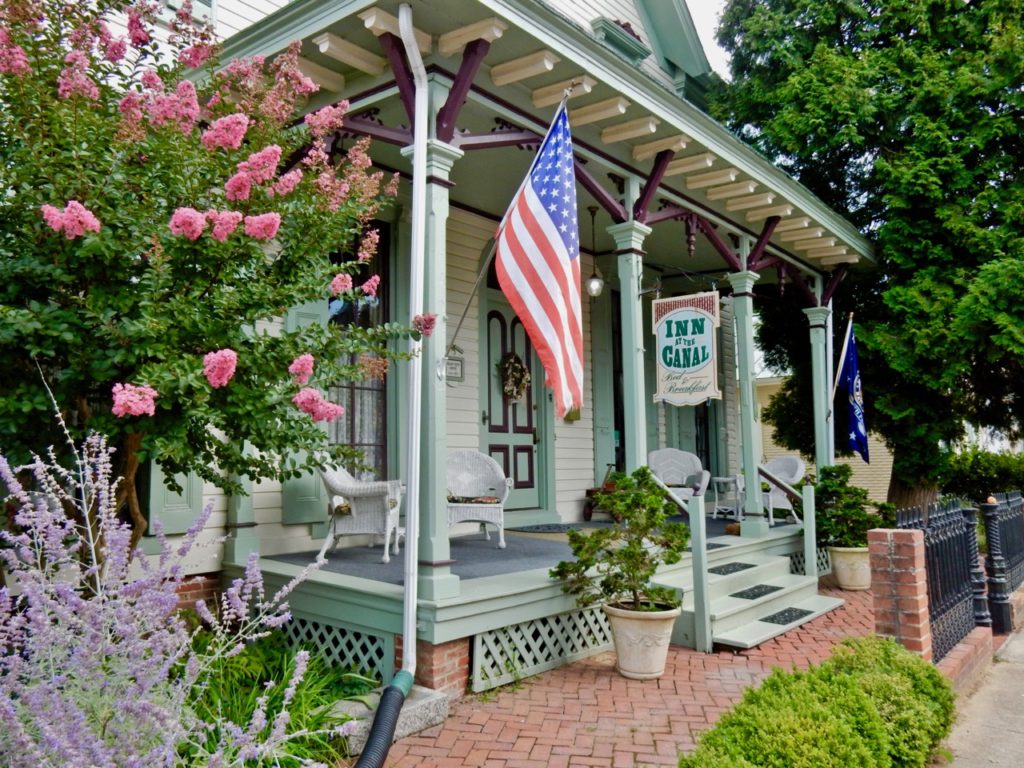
x: 513, y: 425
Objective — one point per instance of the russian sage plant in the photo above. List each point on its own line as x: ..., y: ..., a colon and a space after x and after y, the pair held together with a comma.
x: 97, y: 666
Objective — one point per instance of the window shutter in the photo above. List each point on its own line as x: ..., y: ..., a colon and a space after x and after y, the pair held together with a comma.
x: 174, y: 511
x: 304, y: 499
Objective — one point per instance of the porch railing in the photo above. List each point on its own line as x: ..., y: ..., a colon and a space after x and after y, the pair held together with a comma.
x: 786, y: 488
x: 1004, y: 565
x: 951, y: 552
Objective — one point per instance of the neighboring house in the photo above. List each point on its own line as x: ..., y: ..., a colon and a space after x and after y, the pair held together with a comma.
x: 873, y: 477
x: 681, y: 205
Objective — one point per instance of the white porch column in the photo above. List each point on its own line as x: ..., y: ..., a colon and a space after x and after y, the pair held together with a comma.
x: 817, y: 317
x: 436, y: 581
x: 755, y: 522
x: 629, y: 239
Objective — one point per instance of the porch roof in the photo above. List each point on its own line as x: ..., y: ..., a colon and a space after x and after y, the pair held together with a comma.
x: 630, y: 125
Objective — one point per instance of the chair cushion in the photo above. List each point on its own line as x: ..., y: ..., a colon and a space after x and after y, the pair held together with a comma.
x: 343, y: 509
x: 473, y: 499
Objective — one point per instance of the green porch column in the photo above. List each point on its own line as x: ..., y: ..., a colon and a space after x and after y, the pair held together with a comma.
x: 629, y: 239
x: 817, y: 317
x: 241, y: 526
x: 436, y: 581
x: 755, y: 522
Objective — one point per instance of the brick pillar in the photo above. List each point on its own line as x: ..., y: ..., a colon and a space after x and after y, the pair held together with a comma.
x: 443, y: 667
x: 205, y: 586
x: 899, y: 585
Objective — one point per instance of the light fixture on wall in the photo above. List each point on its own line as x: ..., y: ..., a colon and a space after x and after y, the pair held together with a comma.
x: 595, y: 283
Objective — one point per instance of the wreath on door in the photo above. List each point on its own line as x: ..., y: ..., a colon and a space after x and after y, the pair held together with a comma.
x: 515, y: 377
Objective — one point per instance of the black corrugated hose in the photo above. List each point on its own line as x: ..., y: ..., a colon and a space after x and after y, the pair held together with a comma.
x: 382, y: 732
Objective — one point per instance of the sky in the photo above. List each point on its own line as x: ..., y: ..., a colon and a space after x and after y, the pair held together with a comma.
x: 705, y: 15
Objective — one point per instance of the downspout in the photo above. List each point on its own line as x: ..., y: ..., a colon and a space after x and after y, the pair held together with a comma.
x: 382, y: 732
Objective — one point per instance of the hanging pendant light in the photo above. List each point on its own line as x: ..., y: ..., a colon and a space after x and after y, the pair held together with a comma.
x: 595, y: 283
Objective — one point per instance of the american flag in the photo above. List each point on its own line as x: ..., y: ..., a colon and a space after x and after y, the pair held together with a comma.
x: 538, y: 264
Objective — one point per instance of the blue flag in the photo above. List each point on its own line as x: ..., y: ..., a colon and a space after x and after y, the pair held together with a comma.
x: 851, y: 376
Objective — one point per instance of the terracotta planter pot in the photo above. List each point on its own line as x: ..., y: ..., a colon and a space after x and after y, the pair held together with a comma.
x: 641, y: 640
x: 851, y: 567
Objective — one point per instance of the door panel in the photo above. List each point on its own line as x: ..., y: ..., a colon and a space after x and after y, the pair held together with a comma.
x: 512, y: 425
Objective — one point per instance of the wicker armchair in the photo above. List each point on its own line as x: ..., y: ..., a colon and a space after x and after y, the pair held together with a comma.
x: 679, y: 470
x: 365, y: 507
x: 788, y: 469
x: 472, y: 478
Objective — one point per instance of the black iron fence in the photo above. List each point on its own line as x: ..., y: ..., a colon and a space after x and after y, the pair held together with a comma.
x: 1004, y: 535
x: 951, y: 561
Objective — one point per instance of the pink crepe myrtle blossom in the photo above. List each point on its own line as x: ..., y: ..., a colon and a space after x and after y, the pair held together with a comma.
x: 188, y: 222
x: 370, y: 286
x: 368, y: 246
x: 134, y: 400
x: 74, y: 80
x: 286, y: 183
x: 264, y: 226
x: 150, y: 79
x: 219, y: 367
x: 260, y: 166
x: 301, y: 368
x: 224, y: 223
x: 425, y: 323
x: 74, y: 221
x: 341, y: 282
x: 327, y: 120
x: 195, y: 55
x: 310, y: 401
x: 180, y: 108
x: 226, y: 132
x: 13, y: 60
x: 137, y: 32
x: 131, y: 109
x: 238, y: 187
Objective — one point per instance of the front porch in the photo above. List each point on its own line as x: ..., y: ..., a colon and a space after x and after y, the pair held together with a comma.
x: 510, y: 619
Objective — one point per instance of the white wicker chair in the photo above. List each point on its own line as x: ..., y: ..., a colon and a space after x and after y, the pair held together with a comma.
x: 790, y: 470
x: 366, y: 507
x: 474, y: 475
x: 679, y: 470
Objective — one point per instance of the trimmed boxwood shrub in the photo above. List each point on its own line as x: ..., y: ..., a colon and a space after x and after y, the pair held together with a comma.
x: 873, y: 704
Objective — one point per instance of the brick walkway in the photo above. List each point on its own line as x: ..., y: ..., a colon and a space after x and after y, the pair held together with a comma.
x: 586, y: 714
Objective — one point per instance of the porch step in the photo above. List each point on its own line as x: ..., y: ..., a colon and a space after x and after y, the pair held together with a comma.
x: 756, y: 632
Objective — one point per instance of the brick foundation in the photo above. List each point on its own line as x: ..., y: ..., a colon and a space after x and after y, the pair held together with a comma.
x: 966, y: 664
x: 205, y: 586
x: 899, y: 585
x: 444, y: 667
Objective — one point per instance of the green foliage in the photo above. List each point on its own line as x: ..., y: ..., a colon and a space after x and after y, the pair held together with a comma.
x: 137, y: 303
x: 976, y: 474
x: 907, y: 120
x: 616, y: 564
x: 872, y: 704
x: 236, y: 683
x: 844, y: 514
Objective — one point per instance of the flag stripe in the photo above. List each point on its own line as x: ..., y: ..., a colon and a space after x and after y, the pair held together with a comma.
x: 538, y: 264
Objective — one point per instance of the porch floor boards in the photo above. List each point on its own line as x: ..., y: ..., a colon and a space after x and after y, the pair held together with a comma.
x: 585, y: 714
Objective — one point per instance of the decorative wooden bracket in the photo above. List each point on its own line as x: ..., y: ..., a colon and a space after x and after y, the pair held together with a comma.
x: 661, y: 161
x: 757, y: 255
x: 361, y: 126
x: 793, y: 274
x: 604, y: 198
x: 499, y: 138
x: 395, y: 52
x: 472, y: 57
x: 833, y: 283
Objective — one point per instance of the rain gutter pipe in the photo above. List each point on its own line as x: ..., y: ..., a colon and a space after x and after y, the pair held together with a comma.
x: 382, y: 732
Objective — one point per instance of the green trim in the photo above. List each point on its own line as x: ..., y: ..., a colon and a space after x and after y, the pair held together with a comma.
x: 674, y: 37
x: 403, y: 681
x: 174, y: 511
x: 619, y: 40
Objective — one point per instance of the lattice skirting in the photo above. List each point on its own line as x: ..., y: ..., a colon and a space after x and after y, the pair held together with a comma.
x: 345, y: 647
x: 796, y: 562
x: 511, y: 653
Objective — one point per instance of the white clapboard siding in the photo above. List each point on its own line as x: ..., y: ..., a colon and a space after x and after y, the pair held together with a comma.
x: 233, y: 16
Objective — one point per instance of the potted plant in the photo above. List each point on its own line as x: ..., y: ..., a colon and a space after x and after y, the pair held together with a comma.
x: 614, y: 566
x: 845, y: 515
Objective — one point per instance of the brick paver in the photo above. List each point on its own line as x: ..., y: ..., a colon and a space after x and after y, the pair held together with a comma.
x: 586, y: 714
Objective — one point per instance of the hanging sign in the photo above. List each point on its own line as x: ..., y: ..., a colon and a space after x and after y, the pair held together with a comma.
x: 686, y: 348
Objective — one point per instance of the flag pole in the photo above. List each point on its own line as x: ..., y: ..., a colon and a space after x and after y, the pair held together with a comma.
x: 842, y: 359
x: 494, y: 245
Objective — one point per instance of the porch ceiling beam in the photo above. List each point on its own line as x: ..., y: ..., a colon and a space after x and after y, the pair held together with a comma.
x: 381, y: 22
x: 360, y: 126
x: 850, y: 258
x: 547, y: 95
x: 690, y: 163
x: 348, y: 53
x: 513, y: 138
x: 667, y: 213
x: 731, y: 259
x: 757, y: 253
x: 817, y: 253
x: 531, y: 65
x: 472, y: 58
x: 631, y: 129
x: 833, y: 284
x: 599, y: 110
x: 604, y: 198
x: 817, y: 242
x: 764, y: 213
x: 800, y: 222
x: 750, y: 201
x: 450, y: 43
x: 395, y: 52
x: 797, y: 234
x: 661, y: 161
x: 650, y: 149
x: 323, y: 76
x: 732, y: 190
x: 712, y: 178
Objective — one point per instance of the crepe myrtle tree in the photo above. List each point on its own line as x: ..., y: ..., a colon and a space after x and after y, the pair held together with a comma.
x: 160, y: 212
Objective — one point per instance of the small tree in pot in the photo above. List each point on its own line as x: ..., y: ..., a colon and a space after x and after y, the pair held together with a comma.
x: 615, y: 566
